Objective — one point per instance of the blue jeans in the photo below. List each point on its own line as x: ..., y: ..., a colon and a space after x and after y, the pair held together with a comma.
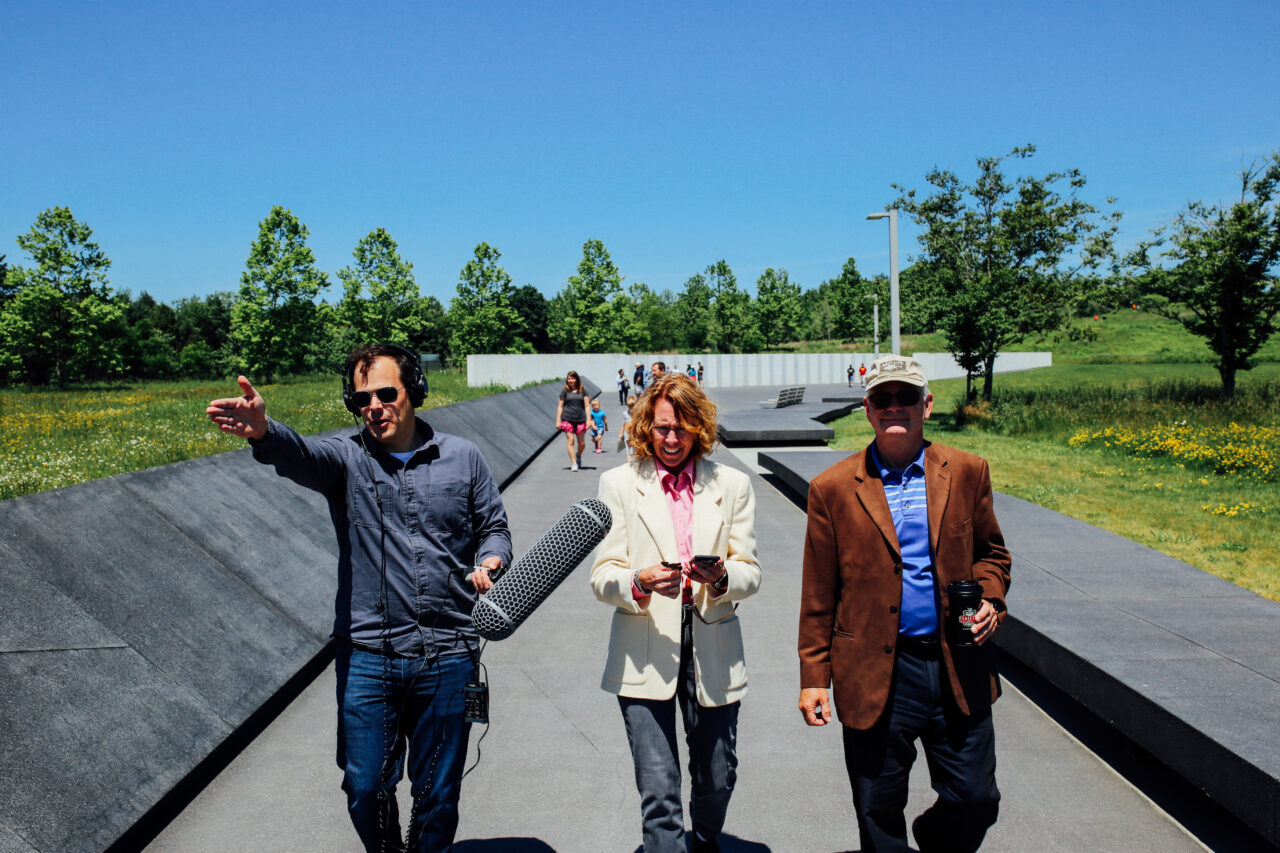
x: 384, y: 702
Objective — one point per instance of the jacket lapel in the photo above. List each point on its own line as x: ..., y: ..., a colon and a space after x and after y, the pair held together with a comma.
x: 707, y: 516
x: 870, y: 493
x: 651, y: 506
x: 937, y: 485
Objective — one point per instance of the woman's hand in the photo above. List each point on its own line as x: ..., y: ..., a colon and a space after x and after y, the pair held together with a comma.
x: 707, y: 572
x: 660, y: 579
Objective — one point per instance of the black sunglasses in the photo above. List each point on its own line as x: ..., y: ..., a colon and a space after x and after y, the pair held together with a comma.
x: 386, y: 394
x: 904, y: 396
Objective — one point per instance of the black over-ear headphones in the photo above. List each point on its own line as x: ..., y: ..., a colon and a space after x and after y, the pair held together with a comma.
x: 415, y: 384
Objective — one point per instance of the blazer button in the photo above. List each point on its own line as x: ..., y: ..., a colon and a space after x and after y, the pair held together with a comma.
x: 888, y: 650
x: 893, y: 608
x: 897, y: 569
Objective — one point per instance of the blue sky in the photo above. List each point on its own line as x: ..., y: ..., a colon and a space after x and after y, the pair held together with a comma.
x: 677, y: 133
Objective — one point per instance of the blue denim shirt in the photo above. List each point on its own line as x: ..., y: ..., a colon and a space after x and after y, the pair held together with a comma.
x: 442, y: 515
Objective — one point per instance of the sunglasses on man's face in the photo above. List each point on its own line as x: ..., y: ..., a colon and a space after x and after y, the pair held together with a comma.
x: 385, y: 394
x: 884, y: 399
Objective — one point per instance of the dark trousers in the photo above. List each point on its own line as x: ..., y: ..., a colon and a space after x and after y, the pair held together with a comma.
x: 711, y: 735
x: 960, y: 752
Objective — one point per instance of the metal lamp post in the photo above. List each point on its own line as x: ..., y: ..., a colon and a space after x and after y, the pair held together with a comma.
x: 892, y: 215
x: 875, y: 298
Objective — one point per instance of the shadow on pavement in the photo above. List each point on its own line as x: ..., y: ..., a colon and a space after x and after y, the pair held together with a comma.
x: 503, y: 845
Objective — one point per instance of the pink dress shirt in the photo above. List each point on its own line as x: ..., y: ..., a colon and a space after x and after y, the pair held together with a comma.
x: 677, y: 486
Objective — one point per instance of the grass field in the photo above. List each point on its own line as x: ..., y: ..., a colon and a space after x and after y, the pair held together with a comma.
x: 51, y: 438
x: 1184, y: 483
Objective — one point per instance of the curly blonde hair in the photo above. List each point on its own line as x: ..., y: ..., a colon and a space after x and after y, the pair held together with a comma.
x: 693, y: 408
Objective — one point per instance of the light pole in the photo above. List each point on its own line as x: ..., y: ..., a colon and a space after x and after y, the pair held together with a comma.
x: 892, y: 215
x: 875, y: 315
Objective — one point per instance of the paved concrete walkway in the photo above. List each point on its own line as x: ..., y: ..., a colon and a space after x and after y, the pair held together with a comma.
x: 555, y: 772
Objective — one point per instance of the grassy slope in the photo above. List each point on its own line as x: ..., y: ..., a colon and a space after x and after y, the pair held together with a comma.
x: 1122, y: 336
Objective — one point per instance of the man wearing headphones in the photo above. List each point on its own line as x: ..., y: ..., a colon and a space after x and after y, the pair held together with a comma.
x: 420, y: 526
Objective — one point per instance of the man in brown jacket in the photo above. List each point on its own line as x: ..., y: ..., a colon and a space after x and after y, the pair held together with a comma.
x: 888, y: 530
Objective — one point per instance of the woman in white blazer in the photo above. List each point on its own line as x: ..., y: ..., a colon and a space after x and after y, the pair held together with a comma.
x: 675, y: 639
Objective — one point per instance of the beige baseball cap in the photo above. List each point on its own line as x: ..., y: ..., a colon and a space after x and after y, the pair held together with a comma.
x: 895, y: 368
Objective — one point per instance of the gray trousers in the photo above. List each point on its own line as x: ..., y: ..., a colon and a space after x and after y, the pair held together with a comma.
x: 711, y: 735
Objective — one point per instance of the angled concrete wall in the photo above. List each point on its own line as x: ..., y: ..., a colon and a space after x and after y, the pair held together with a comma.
x: 146, y: 617
x: 722, y: 371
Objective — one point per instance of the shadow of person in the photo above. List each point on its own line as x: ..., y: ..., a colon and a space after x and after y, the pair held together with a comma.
x: 732, y: 844
x: 502, y: 845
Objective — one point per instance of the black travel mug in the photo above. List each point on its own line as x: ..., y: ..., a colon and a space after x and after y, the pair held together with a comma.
x: 963, y: 600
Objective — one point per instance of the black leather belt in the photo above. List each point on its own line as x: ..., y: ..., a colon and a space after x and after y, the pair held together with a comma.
x: 924, y: 648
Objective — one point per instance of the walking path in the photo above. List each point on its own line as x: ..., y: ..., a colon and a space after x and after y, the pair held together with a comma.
x: 554, y: 771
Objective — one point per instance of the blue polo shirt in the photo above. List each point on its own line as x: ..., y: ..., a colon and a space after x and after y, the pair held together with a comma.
x: 918, y: 616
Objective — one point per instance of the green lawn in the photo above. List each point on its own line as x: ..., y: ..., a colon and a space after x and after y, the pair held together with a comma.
x: 51, y: 438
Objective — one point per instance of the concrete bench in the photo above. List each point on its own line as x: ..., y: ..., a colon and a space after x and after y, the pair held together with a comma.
x: 786, y: 397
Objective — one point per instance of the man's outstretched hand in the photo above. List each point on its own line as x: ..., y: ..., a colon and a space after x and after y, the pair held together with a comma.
x: 243, y: 416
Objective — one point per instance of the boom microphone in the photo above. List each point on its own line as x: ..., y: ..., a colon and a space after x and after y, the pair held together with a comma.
x: 533, y: 577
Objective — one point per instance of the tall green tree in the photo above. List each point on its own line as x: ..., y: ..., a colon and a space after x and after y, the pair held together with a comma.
x: 380, y: 296
x: 586, y: 322
x: 6, y: 287
x: 733, y: 326
x: 628, y: 319
x: 481, y: 315
x: 851, y: 302
x: 533, y: 309
x: 149, y: 341
x: 1007, y: 256
x: 817, y: 314
x: 1222, y: 282
x: 657, y: 312
x: 917, y: 297
x: 60, y: 321
x: 430, y: 328
x: 693, y: 314
x: 275, y: 321
x: 778, y: 307
x: 203, y: 333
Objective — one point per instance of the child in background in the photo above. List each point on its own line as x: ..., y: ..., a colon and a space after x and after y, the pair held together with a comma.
x: 622, y: 431
x: 599, y: 424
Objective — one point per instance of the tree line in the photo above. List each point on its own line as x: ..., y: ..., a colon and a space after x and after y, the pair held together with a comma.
x: 1001, y: 260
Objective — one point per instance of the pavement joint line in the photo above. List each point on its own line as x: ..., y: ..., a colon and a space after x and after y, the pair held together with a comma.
x: 1192, y: 640
x: 560, y: 710
x: 65, y: 649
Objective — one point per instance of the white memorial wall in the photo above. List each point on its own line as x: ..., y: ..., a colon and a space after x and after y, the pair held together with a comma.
x: 770, y: 369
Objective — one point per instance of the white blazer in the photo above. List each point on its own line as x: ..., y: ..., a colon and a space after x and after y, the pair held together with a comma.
x: 644, y: 640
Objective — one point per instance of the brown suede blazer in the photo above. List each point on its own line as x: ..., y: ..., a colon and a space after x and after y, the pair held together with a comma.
x: 853, y: 579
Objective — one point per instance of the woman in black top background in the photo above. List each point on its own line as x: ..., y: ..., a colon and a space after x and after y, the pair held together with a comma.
x: 571, y: 416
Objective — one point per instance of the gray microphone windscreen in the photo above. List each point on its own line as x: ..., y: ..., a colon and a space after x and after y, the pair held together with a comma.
x: 533, y: 577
